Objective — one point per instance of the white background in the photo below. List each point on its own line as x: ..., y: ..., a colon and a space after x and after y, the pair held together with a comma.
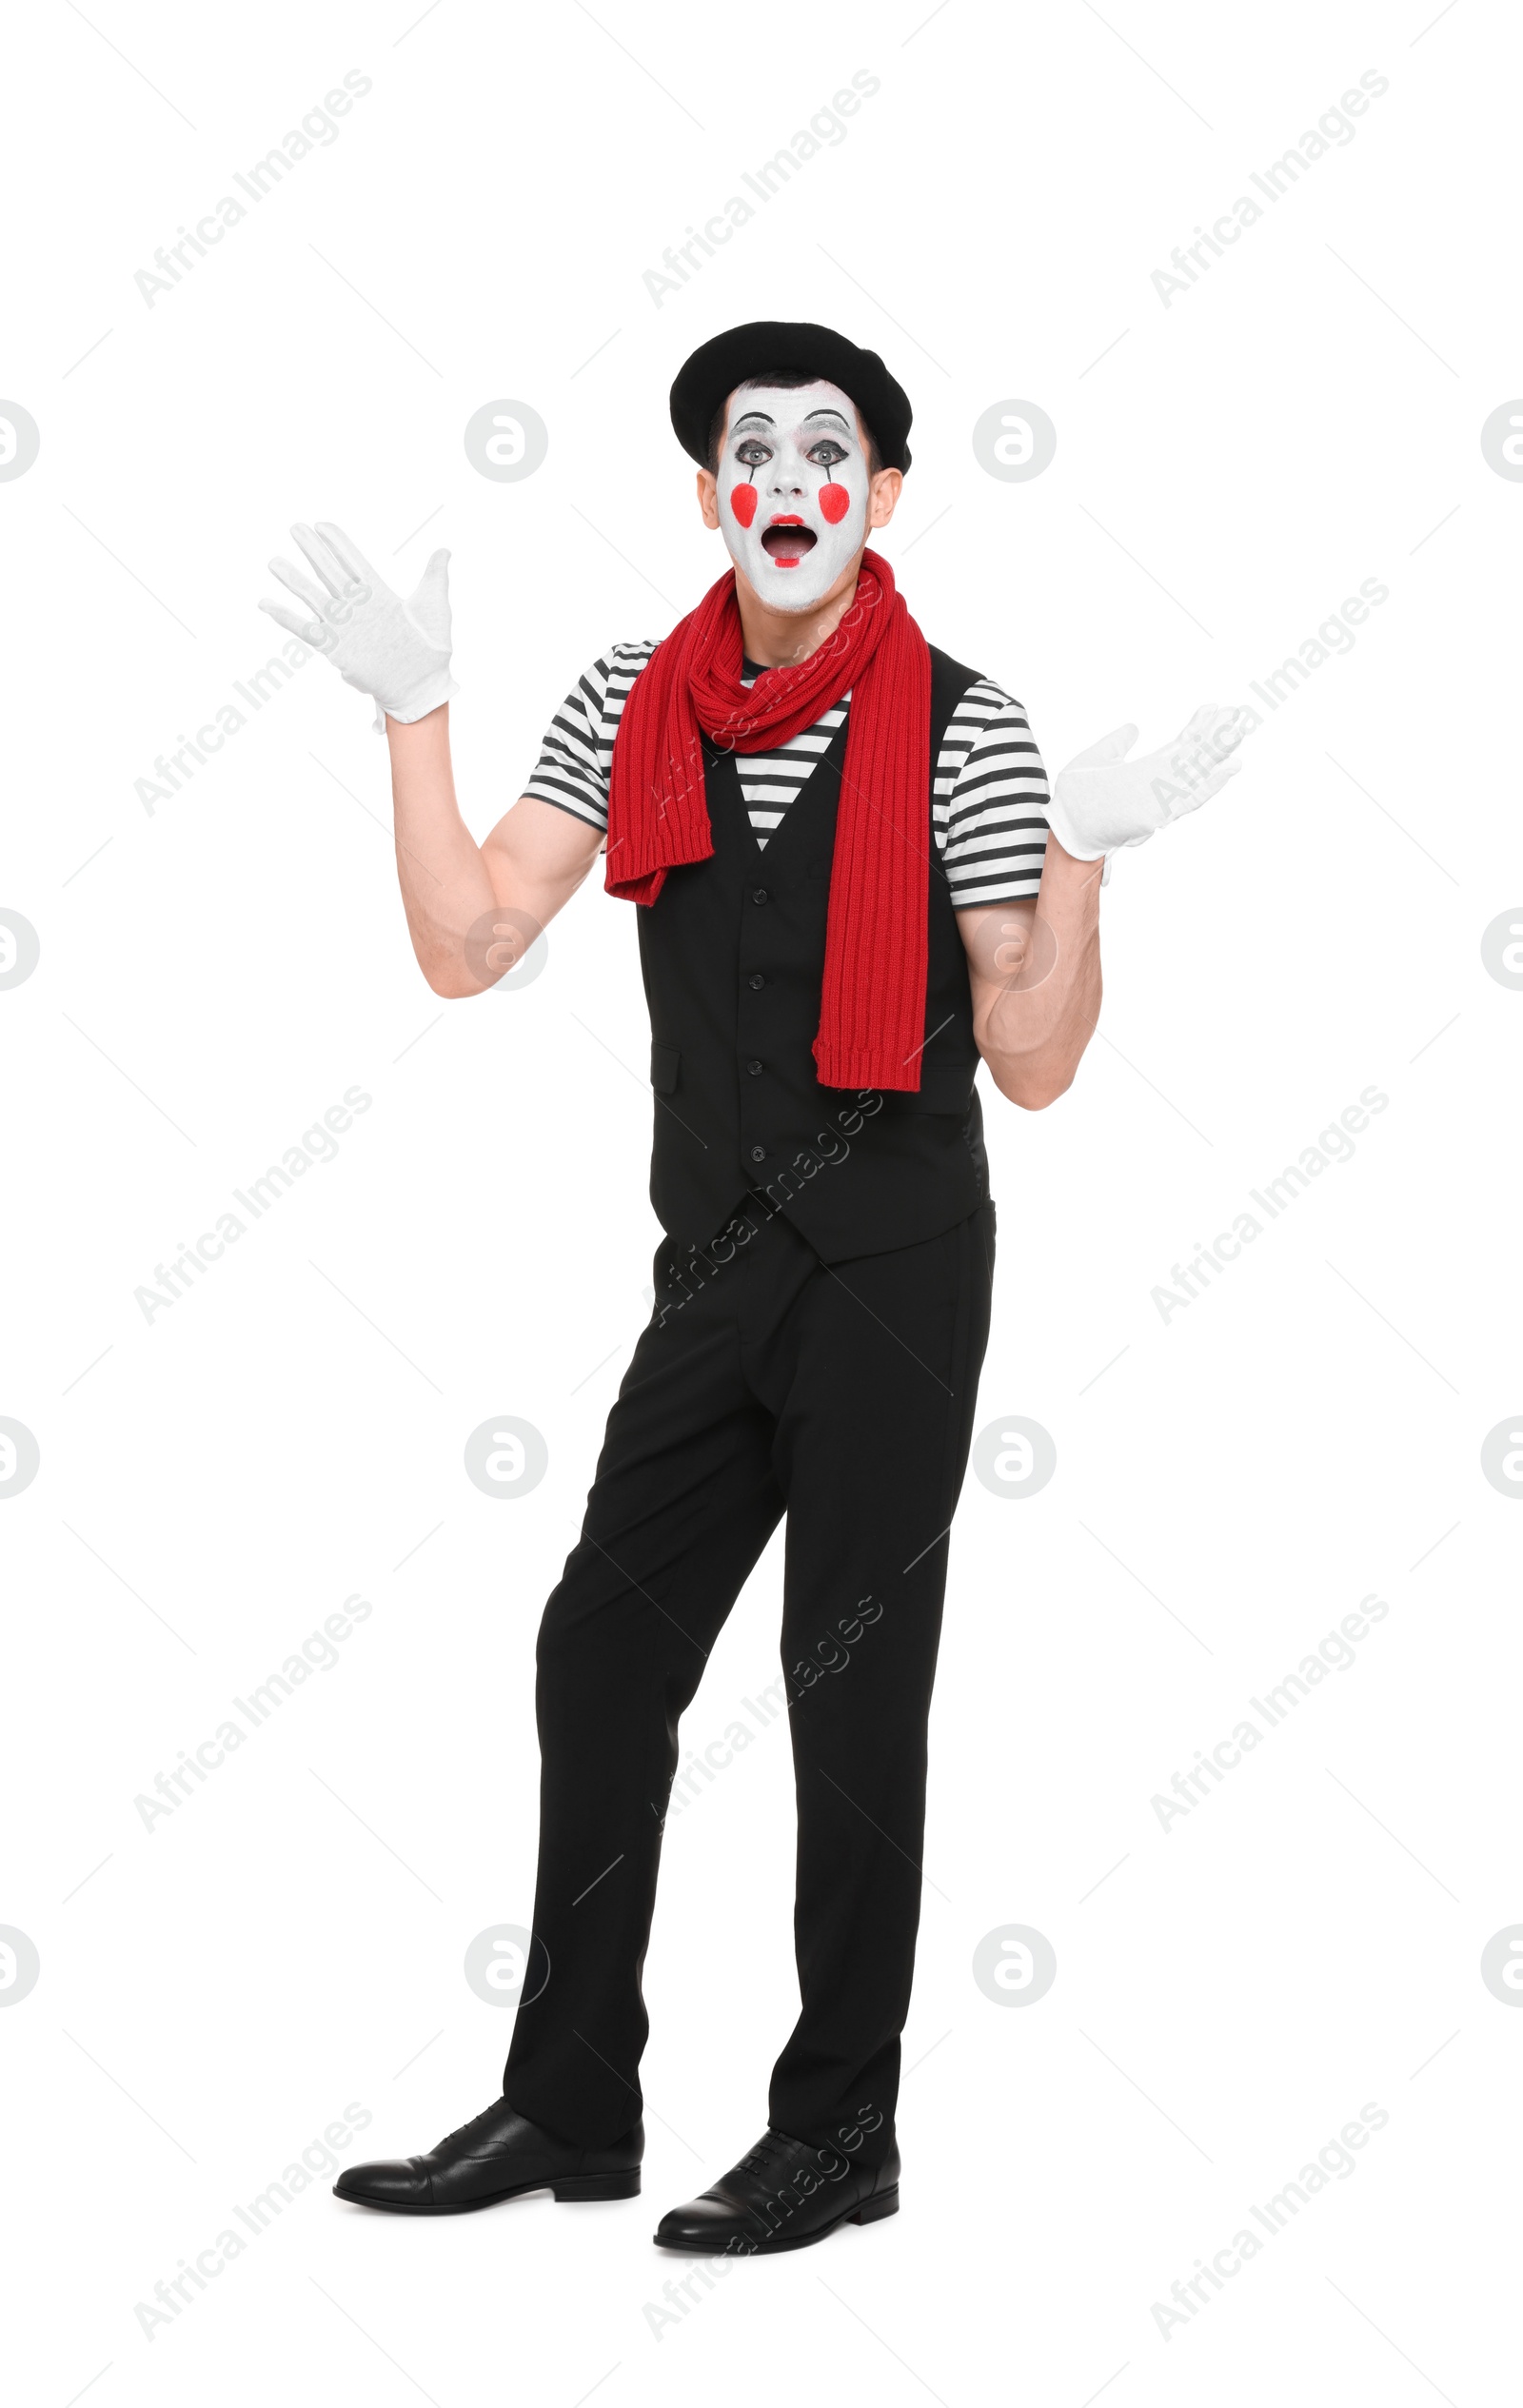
x: 1231, y: 1481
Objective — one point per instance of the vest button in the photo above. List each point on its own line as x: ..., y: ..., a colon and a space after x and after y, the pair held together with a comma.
x: 759, y: 1153
x: 758, y: 894
x: 757, y: 980
x: 755, y: 1069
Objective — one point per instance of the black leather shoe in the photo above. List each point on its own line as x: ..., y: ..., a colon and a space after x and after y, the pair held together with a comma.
x: 498, y: 2155
x: 784, y: 2195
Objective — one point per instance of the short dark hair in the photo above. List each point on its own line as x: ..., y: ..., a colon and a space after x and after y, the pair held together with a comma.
x: 782, y: 381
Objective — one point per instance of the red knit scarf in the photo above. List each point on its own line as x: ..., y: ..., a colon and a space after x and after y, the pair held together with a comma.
x: 872, y: 1004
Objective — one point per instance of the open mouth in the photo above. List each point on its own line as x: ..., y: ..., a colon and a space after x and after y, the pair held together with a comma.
x: 787, y: 541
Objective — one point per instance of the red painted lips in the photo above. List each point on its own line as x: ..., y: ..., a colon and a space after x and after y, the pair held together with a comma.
x: 787, y: 540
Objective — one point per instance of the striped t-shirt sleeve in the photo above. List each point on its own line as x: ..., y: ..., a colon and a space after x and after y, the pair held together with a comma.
x: 988, y: 800
x: 577, y: 755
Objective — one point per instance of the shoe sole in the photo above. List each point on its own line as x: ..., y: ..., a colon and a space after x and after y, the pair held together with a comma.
x: 870, y: 2212
x: 571, y: 2189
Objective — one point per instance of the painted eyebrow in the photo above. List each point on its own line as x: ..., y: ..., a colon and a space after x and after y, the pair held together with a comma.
x: 760, y: 417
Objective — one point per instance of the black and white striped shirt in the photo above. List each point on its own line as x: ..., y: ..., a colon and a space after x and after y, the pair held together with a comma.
x: 988, y: 793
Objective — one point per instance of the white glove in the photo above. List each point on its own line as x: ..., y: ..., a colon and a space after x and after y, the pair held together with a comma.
x: 396, y: 651
x: 1102, y: 802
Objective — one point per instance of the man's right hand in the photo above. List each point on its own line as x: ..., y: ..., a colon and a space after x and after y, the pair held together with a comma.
x: 397, y: 652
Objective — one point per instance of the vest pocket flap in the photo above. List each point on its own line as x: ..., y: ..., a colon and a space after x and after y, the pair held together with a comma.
x: 664, y: 1062
x: 941, y: 1091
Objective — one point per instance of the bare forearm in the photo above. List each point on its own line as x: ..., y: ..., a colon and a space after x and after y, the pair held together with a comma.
x: 445, y: 884
x: 473, y: 910
x: 1034, y: 1023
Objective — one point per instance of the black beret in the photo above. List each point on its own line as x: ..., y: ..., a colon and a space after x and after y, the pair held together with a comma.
x: 705, y: 382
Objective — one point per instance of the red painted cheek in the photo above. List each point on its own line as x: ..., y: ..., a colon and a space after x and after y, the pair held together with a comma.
x: 833, y: 502
x: 742, y: 502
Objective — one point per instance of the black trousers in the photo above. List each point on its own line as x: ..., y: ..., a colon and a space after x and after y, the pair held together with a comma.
x: 844, y: 1396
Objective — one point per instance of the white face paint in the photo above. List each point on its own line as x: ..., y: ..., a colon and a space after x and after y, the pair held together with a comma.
x: 793, y: 490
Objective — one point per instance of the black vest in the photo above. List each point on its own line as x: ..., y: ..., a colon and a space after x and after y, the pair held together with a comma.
x: 733, y: 954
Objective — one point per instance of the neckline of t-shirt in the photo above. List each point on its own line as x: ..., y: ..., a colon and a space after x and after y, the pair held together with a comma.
x: 751, y: 670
